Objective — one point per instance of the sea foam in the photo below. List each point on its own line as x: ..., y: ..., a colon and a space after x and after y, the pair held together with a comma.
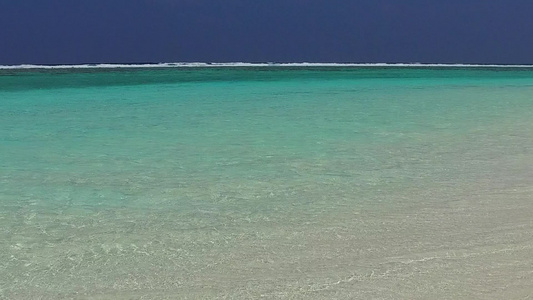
x: 245, y: 64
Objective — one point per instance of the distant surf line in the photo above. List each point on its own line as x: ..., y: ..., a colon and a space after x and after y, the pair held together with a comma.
x: 244, y: 64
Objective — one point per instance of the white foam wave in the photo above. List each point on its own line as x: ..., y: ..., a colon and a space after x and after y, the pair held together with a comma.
x: 244, y: 64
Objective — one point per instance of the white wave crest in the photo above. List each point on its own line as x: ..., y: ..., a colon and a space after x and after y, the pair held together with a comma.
x: 244, y: 64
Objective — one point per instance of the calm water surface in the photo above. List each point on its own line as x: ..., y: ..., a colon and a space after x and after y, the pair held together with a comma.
x: 291, y: 183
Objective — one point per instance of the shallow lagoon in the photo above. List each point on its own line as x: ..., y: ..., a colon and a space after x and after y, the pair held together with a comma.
x: 317, y: 182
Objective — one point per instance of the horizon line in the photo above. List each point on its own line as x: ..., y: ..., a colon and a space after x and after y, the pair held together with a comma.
x: 248, y: 64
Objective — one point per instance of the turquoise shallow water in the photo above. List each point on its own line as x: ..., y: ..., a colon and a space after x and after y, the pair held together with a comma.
x: 281, y: 182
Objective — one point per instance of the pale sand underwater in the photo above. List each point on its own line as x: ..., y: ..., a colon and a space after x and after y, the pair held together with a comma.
x: 331, y: 184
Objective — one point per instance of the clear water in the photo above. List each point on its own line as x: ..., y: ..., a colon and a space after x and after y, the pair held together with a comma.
x: 266, y: 182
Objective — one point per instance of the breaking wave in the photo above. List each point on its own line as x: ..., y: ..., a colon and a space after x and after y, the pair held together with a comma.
x: 243, y: 64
